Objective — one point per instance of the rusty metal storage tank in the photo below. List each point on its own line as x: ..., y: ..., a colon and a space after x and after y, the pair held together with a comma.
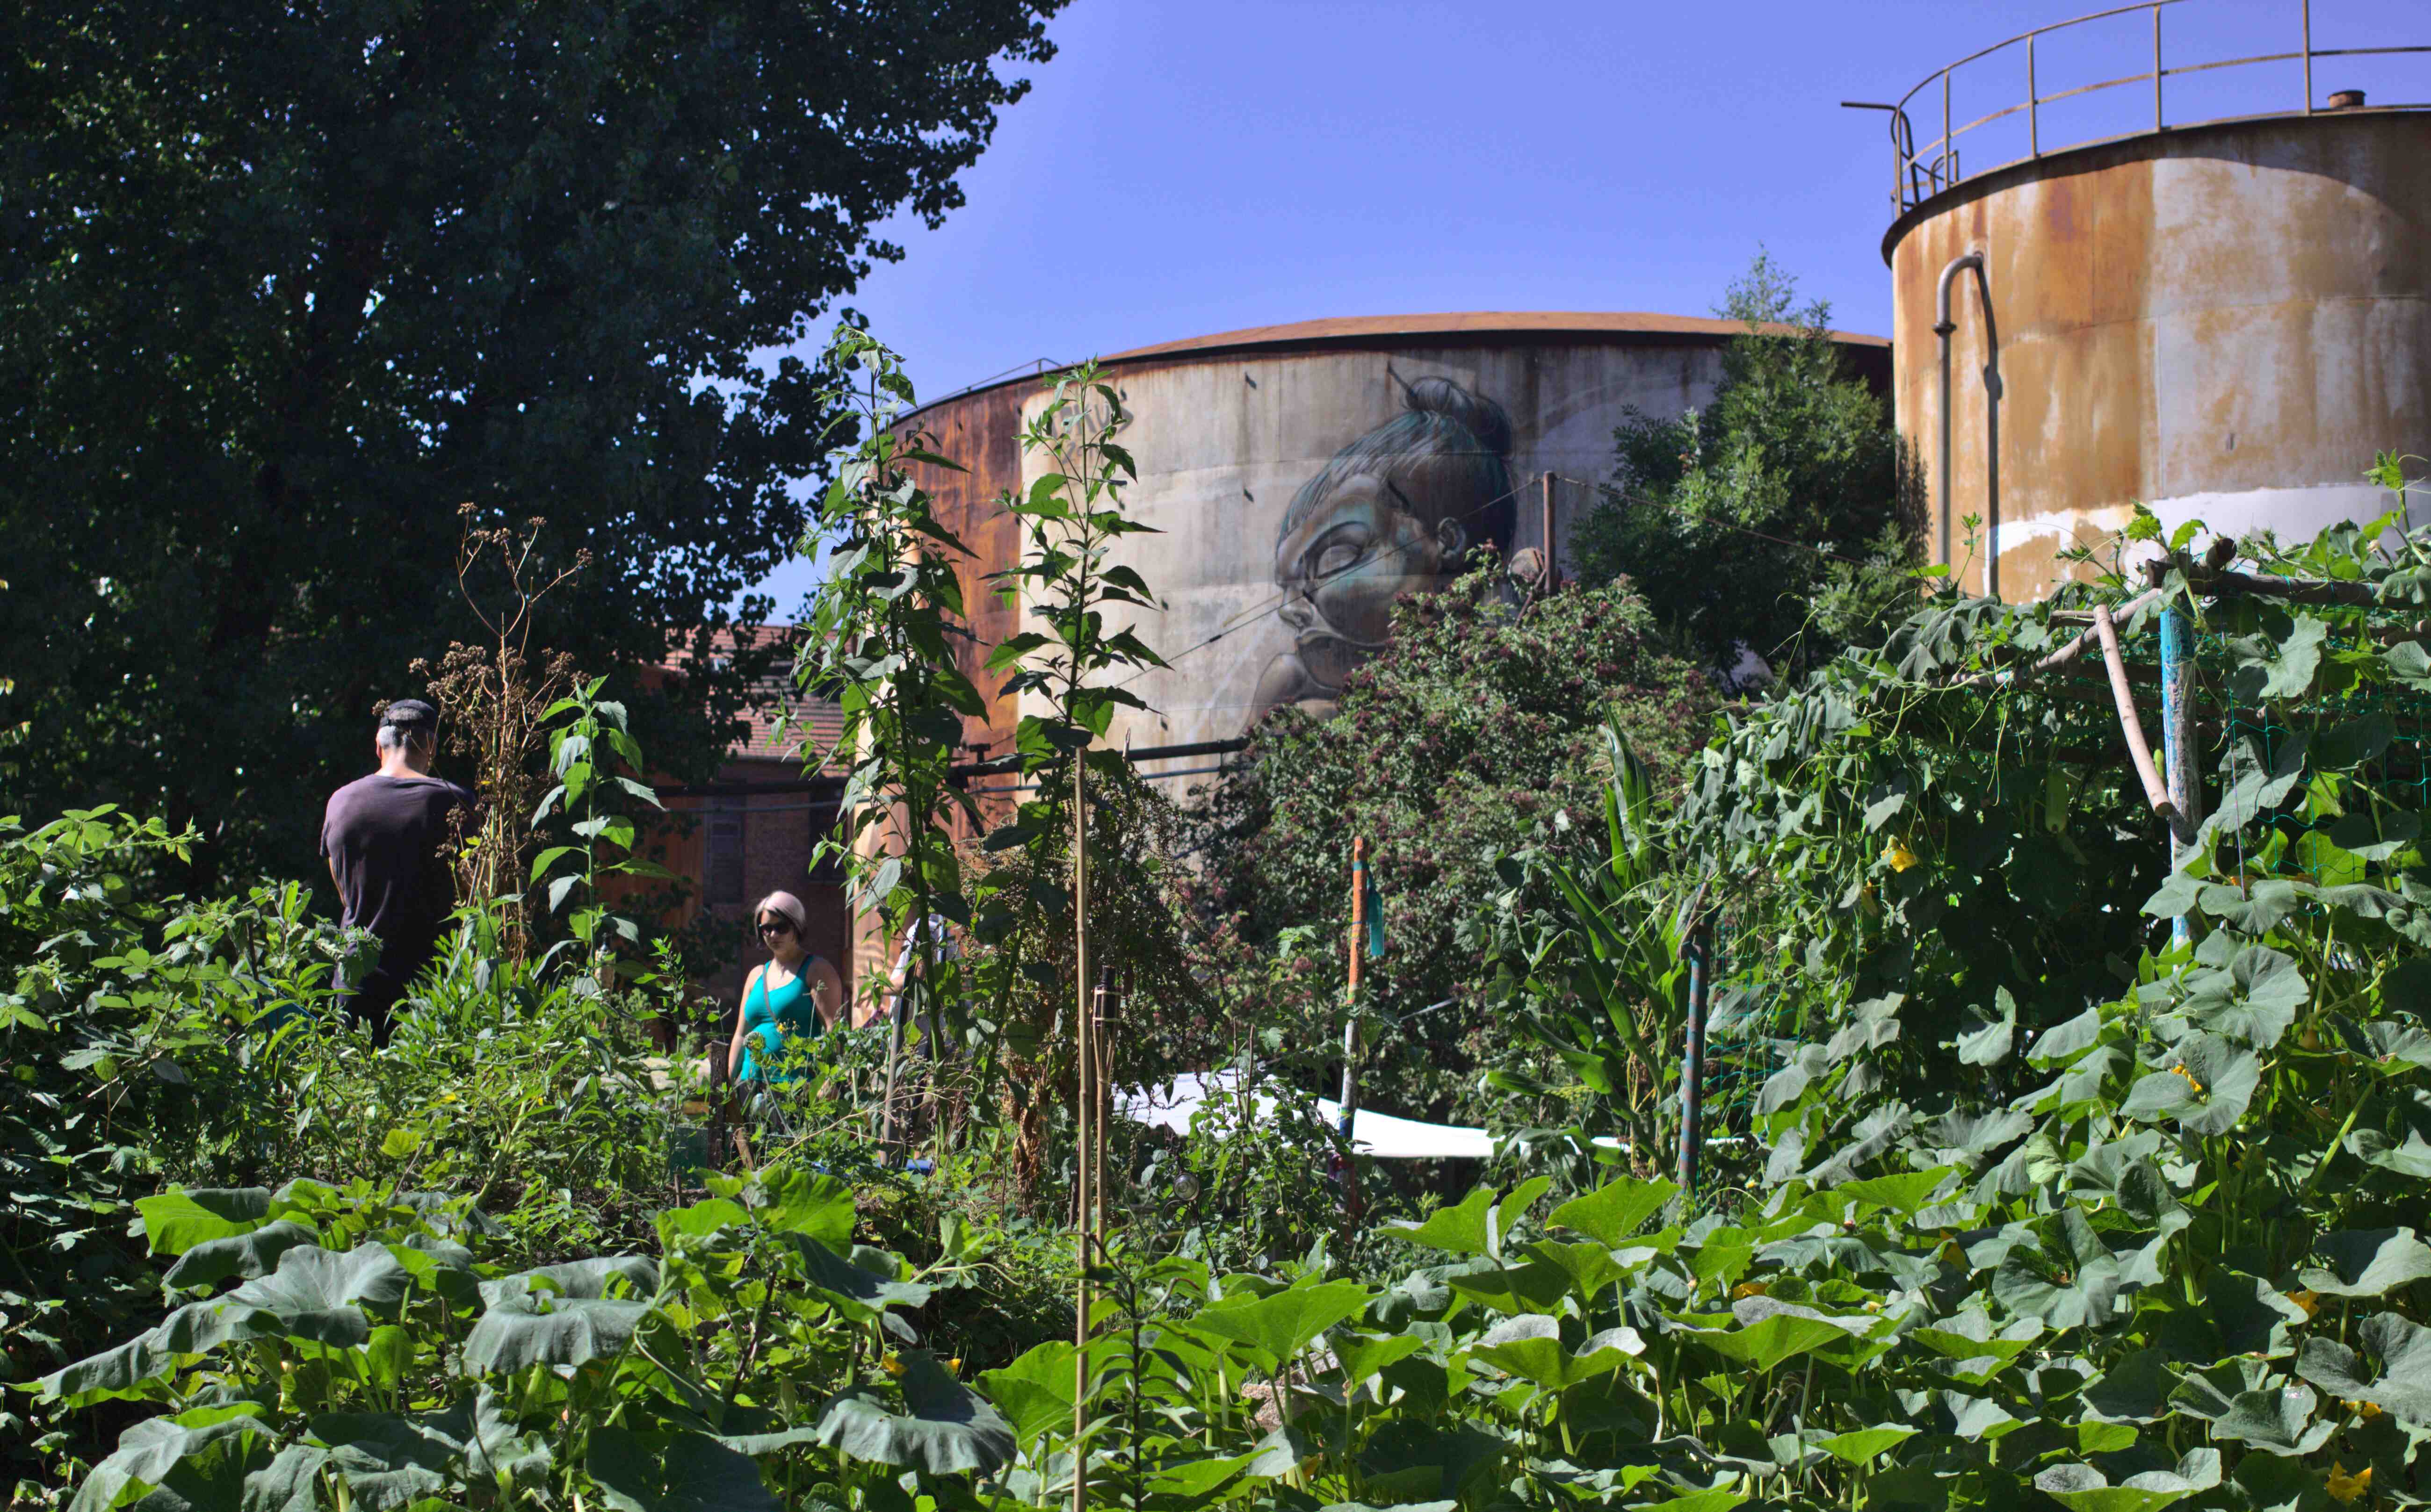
x: 1302, y: 475
x: 2224, y: 321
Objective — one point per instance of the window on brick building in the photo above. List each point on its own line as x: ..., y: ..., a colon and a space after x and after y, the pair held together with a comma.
x: 725, y: 857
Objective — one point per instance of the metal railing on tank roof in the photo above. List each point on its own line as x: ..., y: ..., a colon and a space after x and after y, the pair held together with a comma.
x: 1919, y: 171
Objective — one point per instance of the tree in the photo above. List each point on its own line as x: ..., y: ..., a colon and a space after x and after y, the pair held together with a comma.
x: 287, y: 285
x: 1791, y: 448
x: 1479, y: 726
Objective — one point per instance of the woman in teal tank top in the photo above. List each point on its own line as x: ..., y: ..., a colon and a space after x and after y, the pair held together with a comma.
x: 795, y: 994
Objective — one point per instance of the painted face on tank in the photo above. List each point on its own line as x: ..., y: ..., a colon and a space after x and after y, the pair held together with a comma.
x: 1396, y: 512
x: 1340, y: 569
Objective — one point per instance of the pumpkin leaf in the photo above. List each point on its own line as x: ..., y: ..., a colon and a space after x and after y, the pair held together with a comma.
x: 248, y: 1256
x: 176, y: 1222
x: 2367, y: 1263
x: 1034, y: 1392
x: 673, y: 1471
x: 944, y: 1429
x: 1612, y: 1215
x: 1281, y: 1326
x: 194, y: 1462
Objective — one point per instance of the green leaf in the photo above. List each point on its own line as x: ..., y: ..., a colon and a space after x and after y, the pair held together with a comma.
x: 1589, y: 1267
x: 1461, y: 1229
x: 946, y: 1429
x: 1905, y: 1195
x: 1538, y: 1286
x: 2291, y: 666
x: 1612, y: 1214
x: 673, y: 1471
x: 390, y: 1461
x: 802, y: 1202
x: 1191, y: 1479
x: 1858, y: 1449
x: 194, y: 1462
x: 1530, y: 1346
x: 1036, y: 1391
x: 2402, y: 1384
x: 317, y: 1295
x: 522, y: 1332
x: 291, y: 1483
x: 245, y: 1255
x: 1763, y: 1345
x: 2083, y: 1489
x: 1281, y: 1326
x: 609, y: 1275
x: 176, y: 1222
x: 1362, y: 1355
x: 2367, y: 1263
x: 2245, y: 1402
x: 862, y: 1287
x: 2071, y: 1039
x: 2254, y: 999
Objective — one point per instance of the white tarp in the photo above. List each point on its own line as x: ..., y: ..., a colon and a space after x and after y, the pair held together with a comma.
x: 1381, y: 1134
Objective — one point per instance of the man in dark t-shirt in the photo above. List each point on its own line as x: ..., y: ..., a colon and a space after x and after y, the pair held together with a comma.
x: 381, y: 836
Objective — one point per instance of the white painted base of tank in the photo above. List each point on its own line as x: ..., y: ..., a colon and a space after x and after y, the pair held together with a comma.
x: 2294, y: 515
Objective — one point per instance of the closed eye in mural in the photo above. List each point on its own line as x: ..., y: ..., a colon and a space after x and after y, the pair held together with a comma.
x: 1396, y: 512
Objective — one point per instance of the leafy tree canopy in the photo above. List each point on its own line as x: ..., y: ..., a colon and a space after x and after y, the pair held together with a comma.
x: 1479, y: 725
x: 287, y: 285
x: 1792, y: 448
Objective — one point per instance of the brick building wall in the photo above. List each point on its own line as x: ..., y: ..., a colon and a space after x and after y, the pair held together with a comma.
x: 743, y: 836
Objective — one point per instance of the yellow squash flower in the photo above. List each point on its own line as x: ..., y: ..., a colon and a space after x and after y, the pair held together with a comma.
x: 2310, y: 1302
x: 1749, y: 1289
x: 2347, y: 1487
x: 1898, y: 855
x: 2181, y: 1070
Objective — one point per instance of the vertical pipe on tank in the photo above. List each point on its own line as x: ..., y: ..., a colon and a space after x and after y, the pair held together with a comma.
x: 1552, y: 577
x: 1942, y: 326
x: 2033, y: 104
x: 1945, y: 130
x: 2156, y: 68
x: 2308, y: 56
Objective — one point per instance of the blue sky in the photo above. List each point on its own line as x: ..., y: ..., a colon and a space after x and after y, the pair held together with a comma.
x: 1183, y: 168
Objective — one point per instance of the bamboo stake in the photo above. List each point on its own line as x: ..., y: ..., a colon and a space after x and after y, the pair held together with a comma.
x: 1082, y: 1072
x: 2140, y: 751
x: 1350, y: 1034
x: 1102, y: 1090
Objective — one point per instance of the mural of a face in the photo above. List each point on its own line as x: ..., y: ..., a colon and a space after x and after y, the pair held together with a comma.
x: 1396, y: 511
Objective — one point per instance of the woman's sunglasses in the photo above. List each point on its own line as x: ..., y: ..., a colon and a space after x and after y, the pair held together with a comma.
x: 776, y: 926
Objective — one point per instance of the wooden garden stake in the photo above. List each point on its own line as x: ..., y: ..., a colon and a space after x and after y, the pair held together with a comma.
x: 1081, y: 1099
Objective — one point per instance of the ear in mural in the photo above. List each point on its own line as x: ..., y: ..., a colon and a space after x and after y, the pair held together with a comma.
x: 1396, y: 512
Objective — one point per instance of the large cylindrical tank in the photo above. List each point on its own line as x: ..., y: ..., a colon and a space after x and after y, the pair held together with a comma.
x: 1302, y: 477
x: 2222, y: 322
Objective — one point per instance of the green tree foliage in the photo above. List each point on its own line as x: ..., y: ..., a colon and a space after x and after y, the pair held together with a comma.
x: 1479, y: 726
x: 288, y: 284
x: 1791, y: 448
x: 885, y: 622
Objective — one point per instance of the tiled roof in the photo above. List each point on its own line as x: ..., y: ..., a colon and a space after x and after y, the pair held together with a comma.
x: 810, y: 724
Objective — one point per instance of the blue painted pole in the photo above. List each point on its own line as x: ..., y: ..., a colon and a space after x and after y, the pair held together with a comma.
x: 2178, y: 744
x: 1692, y: 1063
